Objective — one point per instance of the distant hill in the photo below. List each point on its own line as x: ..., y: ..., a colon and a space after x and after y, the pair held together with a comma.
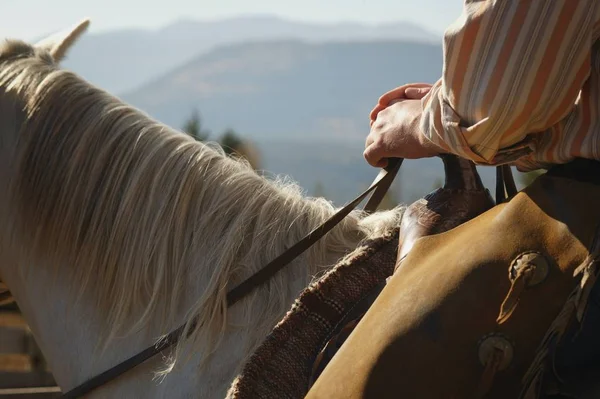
x: 288, y: 88
x: 122, y: 60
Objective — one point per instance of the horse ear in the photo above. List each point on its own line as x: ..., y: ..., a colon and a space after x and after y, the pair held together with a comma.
x: 59, y: 43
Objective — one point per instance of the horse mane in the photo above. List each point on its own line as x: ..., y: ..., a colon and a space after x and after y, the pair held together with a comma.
x: 134, y: 210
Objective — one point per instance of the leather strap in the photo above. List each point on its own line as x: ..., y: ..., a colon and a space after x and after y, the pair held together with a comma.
x: 379, y: 187
x: 505, y: 184
x: 500, y: 189
x: 580, y: 169
x: 509, y: 182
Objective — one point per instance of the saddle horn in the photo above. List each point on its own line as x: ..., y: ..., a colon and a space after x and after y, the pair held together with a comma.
x: 462, y: 198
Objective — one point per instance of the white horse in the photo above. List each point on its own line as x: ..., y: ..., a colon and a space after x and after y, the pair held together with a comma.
x: 114, y: 229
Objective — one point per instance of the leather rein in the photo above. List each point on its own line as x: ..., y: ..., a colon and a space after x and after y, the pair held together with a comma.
x: 378, y: 188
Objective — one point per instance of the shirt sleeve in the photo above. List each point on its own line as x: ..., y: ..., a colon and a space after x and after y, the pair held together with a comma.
x: 511, y: 68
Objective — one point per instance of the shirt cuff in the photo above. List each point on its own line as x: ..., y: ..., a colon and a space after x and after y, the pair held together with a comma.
x: 445, y: 128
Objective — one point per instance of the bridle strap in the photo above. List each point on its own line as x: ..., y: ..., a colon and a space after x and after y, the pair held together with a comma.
x: 379, y: 188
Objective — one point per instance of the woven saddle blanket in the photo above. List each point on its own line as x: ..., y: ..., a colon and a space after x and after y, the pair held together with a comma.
x: 282, y: 366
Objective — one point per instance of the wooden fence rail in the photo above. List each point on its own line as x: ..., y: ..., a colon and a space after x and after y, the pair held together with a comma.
x: 23, y: 370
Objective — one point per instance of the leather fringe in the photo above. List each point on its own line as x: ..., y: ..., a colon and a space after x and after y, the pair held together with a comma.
x: 518, y: 286
x: 573, y: 310
x: 492, y: 365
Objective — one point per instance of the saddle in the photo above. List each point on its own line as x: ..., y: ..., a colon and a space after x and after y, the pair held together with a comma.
x: 488, y: 309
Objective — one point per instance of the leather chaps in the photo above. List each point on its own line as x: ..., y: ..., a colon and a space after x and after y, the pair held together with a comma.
x: 502, y: 306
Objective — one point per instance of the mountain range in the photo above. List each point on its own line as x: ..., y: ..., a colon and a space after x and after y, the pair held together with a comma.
x: 122, y: 60
x: 293, y: 88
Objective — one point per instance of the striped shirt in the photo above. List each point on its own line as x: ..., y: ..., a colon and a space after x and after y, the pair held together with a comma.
x: 520, y: 84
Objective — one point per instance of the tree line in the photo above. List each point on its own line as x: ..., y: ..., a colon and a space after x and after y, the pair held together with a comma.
x: 231, y: 142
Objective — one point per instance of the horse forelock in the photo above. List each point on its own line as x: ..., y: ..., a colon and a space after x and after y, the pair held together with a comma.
x: 133, y: 210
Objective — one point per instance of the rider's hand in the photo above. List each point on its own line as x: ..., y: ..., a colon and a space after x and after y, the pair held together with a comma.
x: 396, y: 134
x: 413, y: 91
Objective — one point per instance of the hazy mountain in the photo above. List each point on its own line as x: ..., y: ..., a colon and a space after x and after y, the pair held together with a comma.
x: 121, y: 60
x: 288, y: 88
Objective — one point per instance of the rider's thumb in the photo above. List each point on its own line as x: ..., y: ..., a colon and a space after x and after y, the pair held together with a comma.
x: 416, y: 93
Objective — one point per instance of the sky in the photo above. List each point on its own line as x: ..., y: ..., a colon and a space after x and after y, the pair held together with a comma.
x: 31, y: 19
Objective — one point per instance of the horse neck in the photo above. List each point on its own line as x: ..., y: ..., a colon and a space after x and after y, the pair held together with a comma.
x: 69, y: 333
x: 70, y: 329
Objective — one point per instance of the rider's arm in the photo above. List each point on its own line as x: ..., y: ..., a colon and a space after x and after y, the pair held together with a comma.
x: 511, y: 68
